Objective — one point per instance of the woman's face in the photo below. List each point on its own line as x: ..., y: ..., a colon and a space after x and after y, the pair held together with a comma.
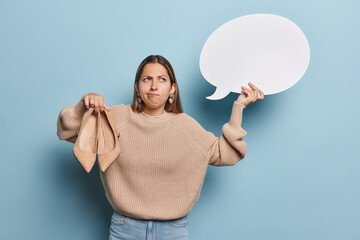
x: 155, y: 87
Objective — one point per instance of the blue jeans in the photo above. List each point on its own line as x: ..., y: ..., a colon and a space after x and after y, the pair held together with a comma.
x: 126, y: 228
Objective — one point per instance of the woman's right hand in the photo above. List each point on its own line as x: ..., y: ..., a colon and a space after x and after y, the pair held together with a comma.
x: 96, y: 101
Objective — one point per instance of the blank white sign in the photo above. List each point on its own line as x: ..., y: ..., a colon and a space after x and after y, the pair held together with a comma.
x: 267, y: 50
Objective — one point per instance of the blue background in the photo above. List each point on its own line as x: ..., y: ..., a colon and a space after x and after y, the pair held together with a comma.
x: 300, y: 177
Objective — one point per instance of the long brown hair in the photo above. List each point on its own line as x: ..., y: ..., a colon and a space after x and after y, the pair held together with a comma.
x: 175, y: 107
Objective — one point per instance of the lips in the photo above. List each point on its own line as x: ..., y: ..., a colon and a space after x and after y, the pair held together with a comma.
x: 153, y: 95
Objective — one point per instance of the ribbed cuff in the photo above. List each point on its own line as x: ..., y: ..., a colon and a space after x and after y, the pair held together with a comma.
x: 80, y: 109
x: 236, y: 114
x: 233, y: 133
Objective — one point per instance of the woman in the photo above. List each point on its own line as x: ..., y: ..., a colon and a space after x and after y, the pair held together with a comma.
x: 157, y: 178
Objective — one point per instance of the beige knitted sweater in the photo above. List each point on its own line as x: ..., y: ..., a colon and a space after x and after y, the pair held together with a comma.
x: 163, y: 161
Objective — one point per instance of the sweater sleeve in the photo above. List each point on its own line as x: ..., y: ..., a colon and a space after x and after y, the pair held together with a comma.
x: 69, y: 121
x: 229, y: 148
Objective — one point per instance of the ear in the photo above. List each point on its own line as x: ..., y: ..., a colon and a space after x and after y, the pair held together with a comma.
x: 173, y: 88
x: 136, y: 87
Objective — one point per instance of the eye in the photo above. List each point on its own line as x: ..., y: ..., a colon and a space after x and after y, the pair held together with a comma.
x: 145, y: 79
x: 164, y: 79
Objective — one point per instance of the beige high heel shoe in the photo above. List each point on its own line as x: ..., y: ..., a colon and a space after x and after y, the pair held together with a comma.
x: 85, y: 145
x: 108, y: 148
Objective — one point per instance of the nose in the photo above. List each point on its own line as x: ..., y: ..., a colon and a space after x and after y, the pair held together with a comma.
x: 154, y: 85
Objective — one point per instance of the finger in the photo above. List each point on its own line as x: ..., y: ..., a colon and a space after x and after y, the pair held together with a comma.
x: 246, y: 88
x: 86, y: 101
x: 97, y: 103
x: 248, y: 94
x: 253, y: 98
x: 107, y: 107
x: 92, y: 102
x: 244, y: 93
x: 101, y: 103
x: 251, y: 94
x: 256, y: 90
x: 261, y: 95
x: 252, y: 86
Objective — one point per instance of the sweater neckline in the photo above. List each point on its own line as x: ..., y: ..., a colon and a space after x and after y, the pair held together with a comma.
x: 156, y: 119
x: 165, y: 112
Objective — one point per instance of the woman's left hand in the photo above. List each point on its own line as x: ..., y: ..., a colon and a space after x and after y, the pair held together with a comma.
x: 250, y: 95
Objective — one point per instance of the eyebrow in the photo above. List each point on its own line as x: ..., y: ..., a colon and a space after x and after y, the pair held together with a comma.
x: 158, y: 76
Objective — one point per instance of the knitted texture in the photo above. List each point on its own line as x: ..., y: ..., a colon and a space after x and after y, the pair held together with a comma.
x: 163, y: 161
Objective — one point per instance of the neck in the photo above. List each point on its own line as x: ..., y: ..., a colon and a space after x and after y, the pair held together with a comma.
x: 154, y: 112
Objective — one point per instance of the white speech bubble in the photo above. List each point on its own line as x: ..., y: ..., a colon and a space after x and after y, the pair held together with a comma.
x: 267, y: 50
